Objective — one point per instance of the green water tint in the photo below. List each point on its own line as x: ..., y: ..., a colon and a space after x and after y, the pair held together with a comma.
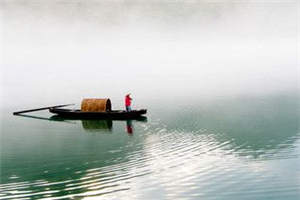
x: 246, y: 148
x: 250, y: 124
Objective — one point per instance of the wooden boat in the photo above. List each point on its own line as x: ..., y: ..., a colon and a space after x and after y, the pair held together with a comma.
x: 112, y: 114
x: 91, y: 109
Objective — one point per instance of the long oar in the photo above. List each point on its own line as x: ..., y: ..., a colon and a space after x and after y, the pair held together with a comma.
x: 37, y: 109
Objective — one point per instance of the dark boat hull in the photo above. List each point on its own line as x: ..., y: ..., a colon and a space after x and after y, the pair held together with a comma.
x: 114, y: 114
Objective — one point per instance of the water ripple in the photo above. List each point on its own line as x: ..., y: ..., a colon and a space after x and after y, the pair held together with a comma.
x: 180, y: 164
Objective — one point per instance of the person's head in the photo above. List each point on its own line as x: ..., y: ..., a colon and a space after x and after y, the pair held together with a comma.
x: 128, y: 95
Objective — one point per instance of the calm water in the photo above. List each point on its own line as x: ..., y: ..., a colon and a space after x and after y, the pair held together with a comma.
x: 220, y: 80
x: 243, y: 148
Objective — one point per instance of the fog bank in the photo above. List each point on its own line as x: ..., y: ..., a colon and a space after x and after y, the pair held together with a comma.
x: 64, y: 51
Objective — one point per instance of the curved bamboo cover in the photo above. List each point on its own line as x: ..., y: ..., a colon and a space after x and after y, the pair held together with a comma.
x: 95, y: 105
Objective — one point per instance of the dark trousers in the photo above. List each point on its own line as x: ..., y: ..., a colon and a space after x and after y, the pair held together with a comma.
x: 128, y: 108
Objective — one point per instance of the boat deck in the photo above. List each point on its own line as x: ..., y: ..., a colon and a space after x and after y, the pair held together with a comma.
x: 114, y: 114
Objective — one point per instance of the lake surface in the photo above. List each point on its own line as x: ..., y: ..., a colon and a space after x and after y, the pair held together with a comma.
x: 220, y: 80
x: 237, y: 148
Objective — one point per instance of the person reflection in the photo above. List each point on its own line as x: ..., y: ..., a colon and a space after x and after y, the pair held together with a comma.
x: 129, y: 127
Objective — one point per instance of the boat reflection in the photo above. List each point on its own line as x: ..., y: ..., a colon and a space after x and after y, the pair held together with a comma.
x: 92, y: 125
x: 103, y: 125
x: 97, y: 125
x: 53, y: 118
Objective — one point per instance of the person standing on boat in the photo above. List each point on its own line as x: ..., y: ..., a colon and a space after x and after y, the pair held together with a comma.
x: 128, y: 102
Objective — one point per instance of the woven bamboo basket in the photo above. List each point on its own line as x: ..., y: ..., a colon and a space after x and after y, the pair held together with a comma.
x: 96, y: 105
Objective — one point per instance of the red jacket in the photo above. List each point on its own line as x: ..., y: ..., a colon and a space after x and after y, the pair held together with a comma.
x: 127, y: 101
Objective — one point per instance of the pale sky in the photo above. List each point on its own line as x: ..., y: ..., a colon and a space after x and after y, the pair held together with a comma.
x: 82, y: 49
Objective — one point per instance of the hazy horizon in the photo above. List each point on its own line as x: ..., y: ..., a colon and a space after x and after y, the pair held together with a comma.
x: 56, y: 51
